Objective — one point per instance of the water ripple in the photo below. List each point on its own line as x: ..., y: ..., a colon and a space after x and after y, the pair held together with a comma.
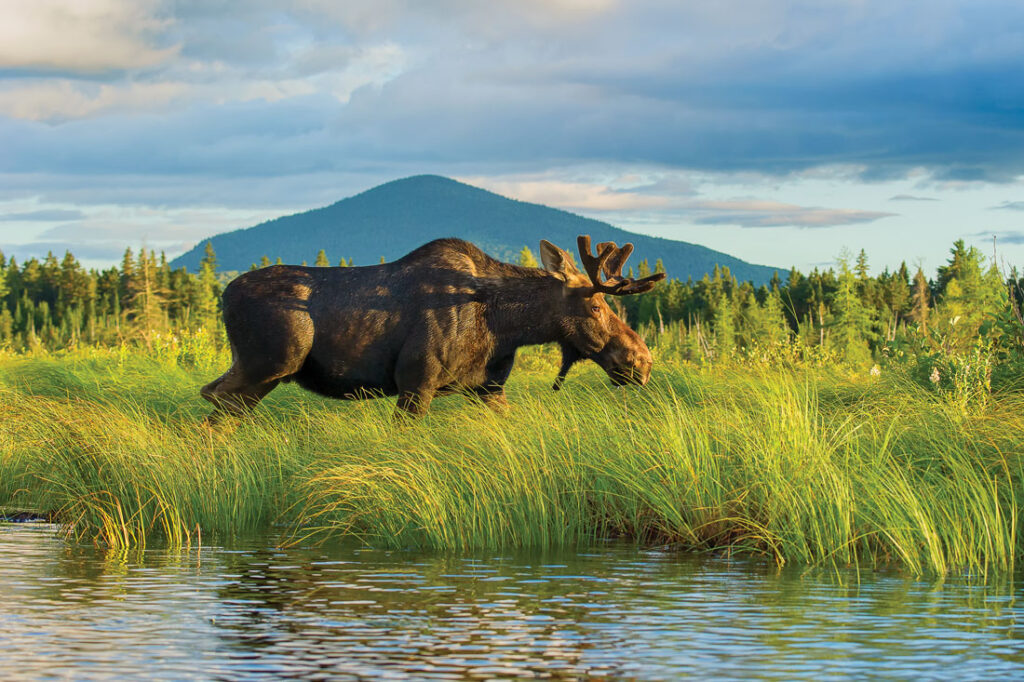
x: 254, y: 611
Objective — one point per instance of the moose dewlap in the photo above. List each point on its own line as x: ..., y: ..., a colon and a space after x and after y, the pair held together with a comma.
x: 446, y: 317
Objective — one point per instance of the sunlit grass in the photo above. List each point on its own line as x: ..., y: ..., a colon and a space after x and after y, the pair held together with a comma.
x: 803, y: 466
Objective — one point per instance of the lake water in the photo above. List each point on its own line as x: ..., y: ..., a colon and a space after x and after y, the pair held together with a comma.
x: 253, y: 611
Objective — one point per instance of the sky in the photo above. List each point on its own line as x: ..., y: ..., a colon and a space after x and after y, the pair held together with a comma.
x: 784, y: 133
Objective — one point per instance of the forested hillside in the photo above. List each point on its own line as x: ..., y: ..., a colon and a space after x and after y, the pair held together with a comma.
x: 392, y: 219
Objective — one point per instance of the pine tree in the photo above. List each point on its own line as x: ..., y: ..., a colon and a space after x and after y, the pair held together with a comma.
x: 861, y: 268
x: 896, y: 294
x: 954, y: 268
x: 74, y: 284
x: 128, y: 288
x: 207, y: 291
x: 526, y: 258
x: 4, y: 274
x: 853, y: 319
x: 149, y: 299
x: 321, y: 260
x: 164, y: 273
x: 6, y: 326
x: 920, y: 301
x: 777, y: 329
x: 723, y: 326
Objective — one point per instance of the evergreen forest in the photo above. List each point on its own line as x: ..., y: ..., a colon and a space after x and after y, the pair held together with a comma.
x: 963, y: 319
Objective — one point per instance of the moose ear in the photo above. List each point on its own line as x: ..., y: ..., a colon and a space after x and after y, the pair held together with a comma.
x: 556, y: 260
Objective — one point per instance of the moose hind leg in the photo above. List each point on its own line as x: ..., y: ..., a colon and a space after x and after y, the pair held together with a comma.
x: 234, y: 395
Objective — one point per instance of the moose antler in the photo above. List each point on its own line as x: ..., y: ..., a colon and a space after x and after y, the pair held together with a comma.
x: 611, y: 259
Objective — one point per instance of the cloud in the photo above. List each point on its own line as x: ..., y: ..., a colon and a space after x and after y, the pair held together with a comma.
x: 314, y: 72
x: 910, y: 197
x: 56, y: 100
x: 107, y: 230
x: 756, y: 213
x: 43, y: 215
x: 184, y: 101
x: 570, y: 195
x: 97, y: 251
x: 127, y: 232
x: 1010, y: 206
x: 1004, y: 237
x: 85, y: 36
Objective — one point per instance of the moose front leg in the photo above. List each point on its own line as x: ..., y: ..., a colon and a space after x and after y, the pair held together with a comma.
x: 492, y: 392
x: 414, y: 403
x: 416, y: 379
x: 492, y: 395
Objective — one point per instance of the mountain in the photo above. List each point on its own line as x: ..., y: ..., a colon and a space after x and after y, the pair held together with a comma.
x: 394, y: 218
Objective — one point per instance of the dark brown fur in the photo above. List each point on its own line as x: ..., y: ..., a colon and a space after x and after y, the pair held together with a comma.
x: 445, y: 317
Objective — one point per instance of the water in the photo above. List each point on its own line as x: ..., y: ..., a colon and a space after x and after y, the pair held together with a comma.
x: 253, y: 611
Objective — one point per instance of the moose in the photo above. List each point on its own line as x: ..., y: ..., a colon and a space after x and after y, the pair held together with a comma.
x: 444, y: 318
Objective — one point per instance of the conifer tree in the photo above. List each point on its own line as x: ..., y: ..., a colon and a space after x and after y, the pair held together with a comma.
x: 853, y: 319
x: 526, y: 258
x: 128, y: 284
x: 149, y: 297
x: 321, y: 259
x: 6, y: 326
x: 207, y: 291
x: 777, y: 329
x: 723, y: 326
x: 895, y: 295
x: 4, y: 285
x: 920, y: 302
x: 954, y: 268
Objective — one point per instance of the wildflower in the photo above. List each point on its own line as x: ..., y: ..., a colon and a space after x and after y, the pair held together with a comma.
x: 934, y: 378
x: 875, y: 371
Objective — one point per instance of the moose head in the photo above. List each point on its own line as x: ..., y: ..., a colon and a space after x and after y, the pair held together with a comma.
x: 590, y: 330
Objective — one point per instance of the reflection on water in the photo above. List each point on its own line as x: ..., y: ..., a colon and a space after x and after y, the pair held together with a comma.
x: 340, y: 612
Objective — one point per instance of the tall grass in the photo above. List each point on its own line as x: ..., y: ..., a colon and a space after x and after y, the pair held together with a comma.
x: 804, y: 466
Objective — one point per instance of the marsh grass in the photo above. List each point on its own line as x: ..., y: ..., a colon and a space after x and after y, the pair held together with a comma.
x: 805, y: 466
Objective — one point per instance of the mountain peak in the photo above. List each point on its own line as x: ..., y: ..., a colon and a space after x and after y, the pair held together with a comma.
x: 417, y: 182
x: 394, y: 218
x: 421, y: 185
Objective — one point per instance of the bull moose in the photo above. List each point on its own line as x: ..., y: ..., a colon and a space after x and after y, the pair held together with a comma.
x: 446, y: 317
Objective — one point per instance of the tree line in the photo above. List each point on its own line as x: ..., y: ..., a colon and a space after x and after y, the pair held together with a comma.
x: 843, y: 310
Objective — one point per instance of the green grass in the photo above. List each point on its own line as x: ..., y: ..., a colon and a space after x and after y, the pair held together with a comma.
x: 805, y: 466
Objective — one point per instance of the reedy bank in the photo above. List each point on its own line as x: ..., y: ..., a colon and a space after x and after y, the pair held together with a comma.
x: 801, y: 465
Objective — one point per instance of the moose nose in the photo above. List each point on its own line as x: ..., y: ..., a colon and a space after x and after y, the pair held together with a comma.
x: 629, y: 375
